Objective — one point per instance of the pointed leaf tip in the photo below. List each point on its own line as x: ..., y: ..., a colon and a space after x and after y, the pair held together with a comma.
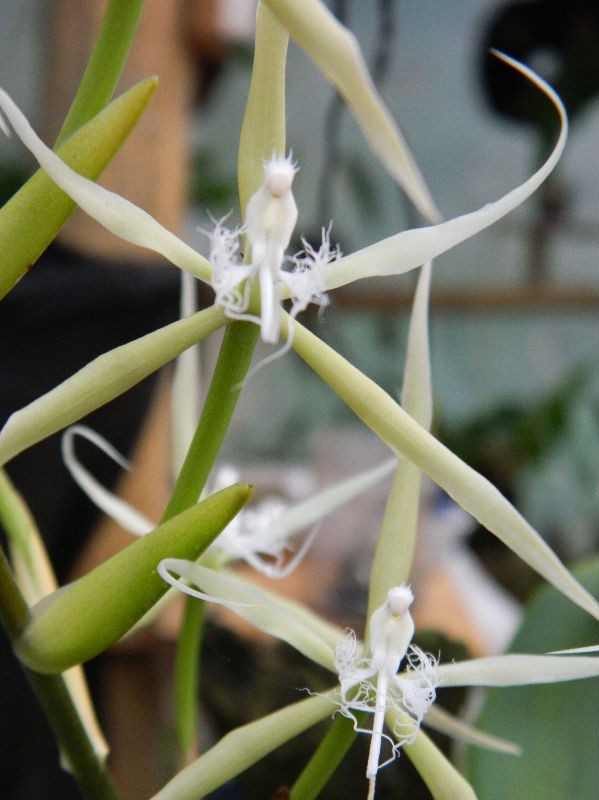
x: 84, y: 618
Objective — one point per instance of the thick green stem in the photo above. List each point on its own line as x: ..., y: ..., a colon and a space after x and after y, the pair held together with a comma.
x: 105, y: 64
x: 263, y: 133
x: 231, y: 368
x: 13, y: 609
x: 52, y: 693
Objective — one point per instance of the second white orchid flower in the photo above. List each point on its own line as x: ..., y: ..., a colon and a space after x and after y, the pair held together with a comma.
x: 372, y: 683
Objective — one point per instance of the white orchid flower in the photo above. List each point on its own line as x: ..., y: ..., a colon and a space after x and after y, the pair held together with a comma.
x: 262, y: 536
x: 270, y: 218
x: 373, y: 684
x: 369, y: 676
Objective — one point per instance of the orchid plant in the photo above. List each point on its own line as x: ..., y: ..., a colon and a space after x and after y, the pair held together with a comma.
x: 386, y: 686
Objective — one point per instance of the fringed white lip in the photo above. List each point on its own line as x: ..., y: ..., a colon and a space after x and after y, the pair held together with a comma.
x: 372, y: 683
x: 270, y: 219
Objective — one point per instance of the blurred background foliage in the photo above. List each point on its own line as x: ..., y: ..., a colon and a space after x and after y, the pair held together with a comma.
x: 559, y: 760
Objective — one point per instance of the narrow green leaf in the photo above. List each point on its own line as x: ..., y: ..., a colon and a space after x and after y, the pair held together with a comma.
x: 105, y: 65
x: 88, y: 151
x: 467, y: 487
x: 103, y: 379
x: 84, y: 618
x: 243, y: 747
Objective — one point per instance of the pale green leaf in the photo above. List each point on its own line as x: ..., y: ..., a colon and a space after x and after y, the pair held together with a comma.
x: 103, y: 379
x: 517, y: 670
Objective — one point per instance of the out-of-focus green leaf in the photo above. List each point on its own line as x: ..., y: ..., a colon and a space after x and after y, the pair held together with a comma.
x: 106, y: 377
x: 32, y: 218
x: 557, y: 726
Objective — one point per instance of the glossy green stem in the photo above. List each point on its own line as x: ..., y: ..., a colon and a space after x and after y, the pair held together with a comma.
x: 233, y: 363
x: 234, y: 359
x: 187, y: 678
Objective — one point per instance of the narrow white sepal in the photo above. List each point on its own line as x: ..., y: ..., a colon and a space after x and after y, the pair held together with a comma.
x: 592, y: 648
x: 308, y: 512
x: 278, y: 617
x: 405, y: 251
x: 115, y: 213
x: 517, y: 670
x: 442, y: 721
x: 117, y: 509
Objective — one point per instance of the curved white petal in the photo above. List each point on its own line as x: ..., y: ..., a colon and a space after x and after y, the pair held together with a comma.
x: 288, y: 621
x: 117, y: 509
x: 116, y: 214
x: 517, y: 670
x: 409, y: 249
x: 308, y: 512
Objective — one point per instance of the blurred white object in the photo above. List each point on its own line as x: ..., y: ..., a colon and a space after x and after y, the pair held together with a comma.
x: 493, y: 611
x: 236, y: 20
